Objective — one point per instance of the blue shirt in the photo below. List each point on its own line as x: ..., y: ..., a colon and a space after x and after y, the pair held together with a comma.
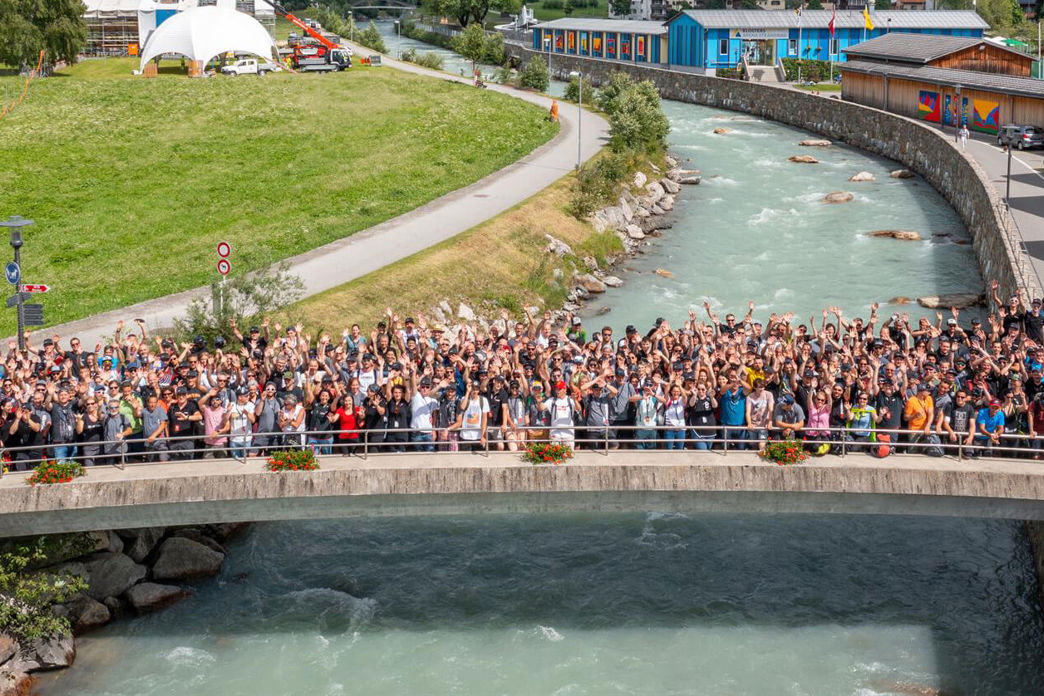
x: 734, y: 408
x: 988, y: 422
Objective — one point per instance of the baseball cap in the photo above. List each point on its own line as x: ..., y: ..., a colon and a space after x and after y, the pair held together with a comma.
x: 536, y: 385
x: 576, y: 320
x: 787, y: 399
x: 560, y: 384
x: 951, y: 322
x: 181, y: 390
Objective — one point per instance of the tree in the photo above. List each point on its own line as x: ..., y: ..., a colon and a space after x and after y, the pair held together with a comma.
x: 622, y: 8
x: 26, y: 594
x: 638, y: 121
x: 573, y: 93
x: 471, y: 43
x: 814, y: 5
x: 30, y: 26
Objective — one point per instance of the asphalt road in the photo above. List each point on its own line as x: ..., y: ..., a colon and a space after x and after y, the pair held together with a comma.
x: 368, y: 250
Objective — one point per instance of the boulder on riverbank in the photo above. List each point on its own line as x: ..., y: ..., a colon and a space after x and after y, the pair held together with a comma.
x: 150, y: 596
x: 111, y: 574
x: 138, y: 543
x: 721, y: 131
x: 44, y: 654
x: 902, y: 174
x: 589, y: 283
x: 803, y: 159
x: 87, y: 614
x: 862, y: 176
x: 816, y: 142
x: 634, y: 232
x: 902, y: 235
x: 612, y: 281
x: 960, y: 300
x: 184, y: 559
x: 554, y: 246
x: 669, y: 186
x: 639, y: 180
x: 16, y: 684
x: 838, y: 197
x: 687, y: 177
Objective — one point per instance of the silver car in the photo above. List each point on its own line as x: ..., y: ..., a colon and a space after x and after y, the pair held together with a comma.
x: 1021, y: 137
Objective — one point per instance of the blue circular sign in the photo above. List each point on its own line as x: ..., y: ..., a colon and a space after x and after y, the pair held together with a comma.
x: 13, y: 273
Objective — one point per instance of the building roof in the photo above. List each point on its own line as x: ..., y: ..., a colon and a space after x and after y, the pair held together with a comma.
x: 101, y: 8
x: 630, y: 26
x: 846, y: 19
x: 919, y: 48
x: 992, y: 82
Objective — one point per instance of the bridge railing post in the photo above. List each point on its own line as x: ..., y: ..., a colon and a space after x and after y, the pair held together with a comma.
x: 844, y: 441
x: 725, y: 440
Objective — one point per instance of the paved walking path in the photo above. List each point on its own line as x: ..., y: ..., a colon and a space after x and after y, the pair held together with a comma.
x: 368, y: 250
x: 1027, y: 190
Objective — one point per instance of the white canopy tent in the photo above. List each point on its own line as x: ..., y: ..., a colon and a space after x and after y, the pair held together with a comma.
x: 201, y: 33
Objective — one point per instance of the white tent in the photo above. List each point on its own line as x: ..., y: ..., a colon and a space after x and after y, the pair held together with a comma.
x: 201, y: 33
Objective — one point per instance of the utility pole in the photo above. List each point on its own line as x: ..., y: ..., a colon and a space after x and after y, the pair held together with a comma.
x: 15, y: 223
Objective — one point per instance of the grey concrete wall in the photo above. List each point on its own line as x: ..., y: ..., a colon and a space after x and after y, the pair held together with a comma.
x: 918, y: 147
x: 226, y: 491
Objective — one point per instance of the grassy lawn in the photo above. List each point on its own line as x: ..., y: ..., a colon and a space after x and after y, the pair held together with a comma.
x: 820, y: 87
x: 515, y: 269
x: 600, y: 10
x: 132, y: 182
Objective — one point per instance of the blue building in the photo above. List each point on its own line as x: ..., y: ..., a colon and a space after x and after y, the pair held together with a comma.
x: 613, y: 39
x: 711, y: 39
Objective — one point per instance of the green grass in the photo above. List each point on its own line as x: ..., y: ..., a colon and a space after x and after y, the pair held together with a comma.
x: 601, y: 10
x: 132, y: 182
x: 820, y: 87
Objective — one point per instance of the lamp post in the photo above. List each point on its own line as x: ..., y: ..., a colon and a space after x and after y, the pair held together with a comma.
x: 351, y: 25
x: 398, y: 41
x: 15, y: 223
x: 579, y: 75
x: 547, y: 44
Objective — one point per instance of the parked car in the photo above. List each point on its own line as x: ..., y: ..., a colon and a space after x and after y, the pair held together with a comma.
x: 249, y: 66
x: 1021, y: 137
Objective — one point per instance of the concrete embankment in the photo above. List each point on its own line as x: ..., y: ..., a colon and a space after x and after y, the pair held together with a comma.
x: 923, y: 149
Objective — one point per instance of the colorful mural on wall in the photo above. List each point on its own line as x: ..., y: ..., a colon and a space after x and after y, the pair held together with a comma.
x: 640, y: 46
x: 571, y: 40
x: 610, y: 47
x: 928, y: 107
x: 558, y: 42
x: 596, y: 45
x: 985, y: 116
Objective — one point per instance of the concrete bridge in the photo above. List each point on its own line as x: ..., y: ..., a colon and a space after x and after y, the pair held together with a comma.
x: 451, y: 484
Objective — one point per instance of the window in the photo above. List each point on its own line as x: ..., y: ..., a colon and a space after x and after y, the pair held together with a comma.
x: 833, y: 47
x: 723, y: 47
x: 792, y: 49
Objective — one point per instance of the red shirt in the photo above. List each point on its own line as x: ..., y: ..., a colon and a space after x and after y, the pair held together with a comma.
x: 347, y: 424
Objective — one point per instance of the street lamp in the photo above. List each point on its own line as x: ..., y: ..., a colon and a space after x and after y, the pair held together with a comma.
x: 398, y: 41
x: 15, y: 223
x: 351, y: 25
x: 579, y: 75
x: 547, y: 45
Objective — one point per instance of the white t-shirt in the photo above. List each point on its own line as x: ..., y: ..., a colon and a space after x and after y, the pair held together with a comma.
x: 471, y: 422
x: 561, y: 410
x: 422, y: 408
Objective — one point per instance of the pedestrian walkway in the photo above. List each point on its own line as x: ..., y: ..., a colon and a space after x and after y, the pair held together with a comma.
x: 368, y: 250
x: 1027, y: 190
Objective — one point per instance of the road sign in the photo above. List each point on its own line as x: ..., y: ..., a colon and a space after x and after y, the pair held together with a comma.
x: 32, y: 314
x: 13, y: 272
x: 224, y: 267
x: 28, y: 287
x: 224, y: 249
x: 13, y: 299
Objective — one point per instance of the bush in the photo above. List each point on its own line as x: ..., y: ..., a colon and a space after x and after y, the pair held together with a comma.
x: 730, y: 73
x: 553, y: 4
x: 572, y: 92
x: 494, y: 53
x: 596, y: 184
x: 790, y: 67
x: 428, y: 59
x: 534, y: 75
x: 609, y: 95
x: 25, y: 612
x: 292, y: 460
x: 51, y: 472
x: 637, y: 121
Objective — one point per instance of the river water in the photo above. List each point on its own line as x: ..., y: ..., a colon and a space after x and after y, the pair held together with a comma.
x: 638, y: 604
x: 533, y: 605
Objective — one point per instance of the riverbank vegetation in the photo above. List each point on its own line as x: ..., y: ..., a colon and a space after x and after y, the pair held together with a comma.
x: 275, y: 166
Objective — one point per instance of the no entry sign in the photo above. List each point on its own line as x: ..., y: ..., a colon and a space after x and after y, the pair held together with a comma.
x: 224, y: 249
x: 224, y: 267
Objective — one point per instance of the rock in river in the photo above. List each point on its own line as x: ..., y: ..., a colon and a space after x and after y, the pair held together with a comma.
x: 814, y: 142
x: 663, y: 272
x: 150, y: 596
x: 184, y: 559
x: 955, y: 299
x: 111, y: 574
x: 721, y: 131
x: 902, y: 174
x: 904, y: 235
x: 803, y: 159
x: 862, y: 176
x: 838, y: 197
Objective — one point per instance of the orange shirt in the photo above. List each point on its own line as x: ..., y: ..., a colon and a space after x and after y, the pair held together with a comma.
x: 917, y: 411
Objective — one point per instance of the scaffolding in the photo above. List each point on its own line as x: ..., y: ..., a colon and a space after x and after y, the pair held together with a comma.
x: 112, y: 27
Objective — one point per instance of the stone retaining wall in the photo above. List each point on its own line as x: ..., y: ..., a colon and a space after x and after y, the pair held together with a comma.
x: 921, y: 148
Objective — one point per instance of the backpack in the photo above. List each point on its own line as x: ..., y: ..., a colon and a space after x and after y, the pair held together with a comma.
x: 882, y: 450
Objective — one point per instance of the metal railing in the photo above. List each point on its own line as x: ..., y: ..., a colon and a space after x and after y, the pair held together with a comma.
x: 364, y: 443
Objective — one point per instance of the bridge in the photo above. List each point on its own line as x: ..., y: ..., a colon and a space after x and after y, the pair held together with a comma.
x: 228, y: 490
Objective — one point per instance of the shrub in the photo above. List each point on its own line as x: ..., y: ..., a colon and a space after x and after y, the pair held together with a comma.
x: 292, y: 460
x: 534, y: 75
x: 572, y: 92
x: 494, y: 54
x: 371, y: 38
x: 790, y: 68
x: 553, y: 4
x: 546, y: 453
x: 428, y: 59
x: 784, y: 452
x: 609, y: 94
x: 55, y: 472
x: 638, y: 122
x: 596, y: 184
x: 730, y: 73
x: 25, y: 611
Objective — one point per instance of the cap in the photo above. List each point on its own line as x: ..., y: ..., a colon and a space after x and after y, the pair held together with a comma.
x: 923, y: 387
x: 951, y: 322
x: 994, y: 402
x: 193, y: 373
x: 620, y: 372
x: 630, y: 329
x: 576, y: 320
x: 513, y: 384
x: 48, y: 342
x: 242, y: 391
x: 106, y: 360
x: 409, y: 320
x: 537, y: 385
x: 787, y: 399
x: 373, y: 388
x: 255, y: 329
x: 181, y: 390
x: 288, y: 375
x: 560, y: 384
x: 425, y: 382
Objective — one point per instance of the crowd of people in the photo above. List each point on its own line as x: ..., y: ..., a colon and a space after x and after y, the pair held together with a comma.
x: 877, y: 383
